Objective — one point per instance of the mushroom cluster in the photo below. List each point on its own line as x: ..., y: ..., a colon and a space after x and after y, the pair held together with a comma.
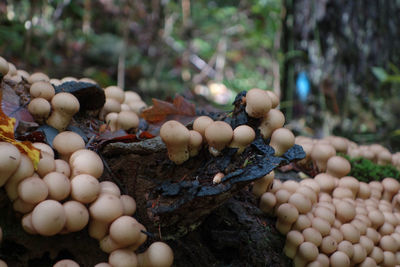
x: 183, y: 143
x: 333, y: 219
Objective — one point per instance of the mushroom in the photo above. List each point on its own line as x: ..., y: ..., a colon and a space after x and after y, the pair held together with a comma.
x: 107, y: 187
x: 62, y: 167
x: 321, y: 153
x: 77, y: 216
x: 108, y: 245
x: 37, y: 77
x: 201, y: 123
x: 350, y: 233
x: 243, y: 135
x: 25, y: 169
x: 388, y: 243
x: 300, y: 202
x: 345, y: 211
x: 27, y: 225
x: 312, y: 235
x: 390, y: 188
x: 258, y: 103
x: 321, y: 225
x: 58, y: 185
x: 125, y: 231
x: 66, y: 263
x: 46, y: 164
x: 195, y: 143
x: 127, y: 120
x: 293, y: 241
x: 366, y: 243
x: 384, y: 157
x: 158, y: 254
x: 48, y: 217
x: 111, y: 105
x: 128, y: 204
x: 33, y: 190
x: 261, y: 185
x: 302, y: 222
x: 131, y: 96
x: 66, y: 143
x: 123, y: 258
x: 359, y: 254
x: 306, y: 253
x: 10, y: 157
x: 42, y: 89
x: 85, y: 161
x: 106, y: 208
x: 267, y: 202
x: 85, y: 188
x: 338, y: 166
x: 115, y: 92
x: 137, y: 106
x: 339, y: 259
x: 325, y: 181
x: 102, y: 264
x: 69, y: 79
x: 389, y: 259
x: 274, y: 98
x: 273, y: 120
x: 23, y: 207
x: 346, y: 247
x: 218, y: 135
x: 176, y: 137
x: 287, y: 214
x: 87, y: 80
x: 98, y: 229
x: 3, y: 67
x: 377, y: 218
x: 65, y: 106
x: 40, y: 109
x: 377, y: 254
x: 281, y: 140
x: 112, y: 121
x: 328, y: 245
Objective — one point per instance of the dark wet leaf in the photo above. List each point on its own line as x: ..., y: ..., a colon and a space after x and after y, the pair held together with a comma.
x: 90, y: 95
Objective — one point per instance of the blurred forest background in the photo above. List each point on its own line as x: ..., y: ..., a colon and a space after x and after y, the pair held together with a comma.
x: 335, y: 63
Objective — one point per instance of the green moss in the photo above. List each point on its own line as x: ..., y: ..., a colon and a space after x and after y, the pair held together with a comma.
x: 365, y: 170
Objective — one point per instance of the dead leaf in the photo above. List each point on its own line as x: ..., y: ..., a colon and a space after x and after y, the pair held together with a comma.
x: 7, y: 125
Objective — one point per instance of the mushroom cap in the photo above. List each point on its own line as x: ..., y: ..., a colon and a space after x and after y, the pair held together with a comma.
x: 350, y: 233
x: 312, y: 235
x: 68, y: 142
x: 328, y: 245
x: 69, y: 79
x: 346, y: 247
x: 131, y: 96
x: 115, y: 92
x: 87, y: 80
x: 66, y: 263
x: 267, y: 202
x: 174, y: 133
x: 218, y: 134
x: 391, y: 185
x: 308, y: 251
x: 243, y: 135
x: 111, y: 105
x: 85, y: 161
x: 201, y: 123
x: 274, y: 98
x: 42, y: 89
x: 125, y: 230
x: 281, y: 140
x: 321, y: 153
x: 62, y: 167
x: 10, y: 158
x: 107, y: 187
x: 287, y: 213
x: 48, y: 217
x: 258, y: 103
x: 384, y: 157
x: 159, y: 254
x: 3, y: 66
x: 301, y: 202
x: 106, y: 208
x: 339, y: 259
x: 127, y: 120
x: 274, y: 119
x: 85, y: 188
x: 58, y: 185
x: 339, y: 143
x: 39, y: 107
x: 66, y: 103
x: 128, y: 204
x: 325, y: 181
x: 137, y: 106
x: 33, y: 190
x: 38, y: 76
x: 77, y: 216
x: 43, y: 147
x: 195, y: 142
x: 338, y: 166
x: 123, y: 257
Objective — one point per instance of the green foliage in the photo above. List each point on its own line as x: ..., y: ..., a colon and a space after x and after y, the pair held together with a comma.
x: 365, y: 170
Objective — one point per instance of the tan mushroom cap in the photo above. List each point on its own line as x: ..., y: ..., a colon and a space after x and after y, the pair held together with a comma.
x: 42, y: 89
x: 66, y: 263
x: 195, y: 143
x: 274, y: 98
x: 12, y: 70
x: 159, y: 254
x: 273, y: 120
x: 77, y: 216
x: 127, y: 120
x: 33, y: 190
x: 321, y: 153
x: 281, y: 140
x: 131, y: 96
x: 338, y: 166
x: 48, y: 217
x: 87, y: 80
x: 218, y: 135
x: 111, y: 105
x: 67, y: 142
x: 10, y: 157
x: 3, y: 66
x: 137, y: 106
x: 65, y: 106
x: 85, y: 161
x: 25, y: 169
x: 176, y: 137
x: 38, y: 76
x: 201, y: 123
x: 58, y: 185
x: 39, y: 108
x: 293, y: 241
x: 115, y: 92
x: 106, y: 208
x: 258, y: 103
x: 326, y: 182
x: 384, y: 157
x: 243, y: 135
x: 390, y: 186
x: 123, y: 257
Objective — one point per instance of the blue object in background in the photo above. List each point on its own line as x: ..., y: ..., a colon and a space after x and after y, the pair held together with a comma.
x: 303, y: 86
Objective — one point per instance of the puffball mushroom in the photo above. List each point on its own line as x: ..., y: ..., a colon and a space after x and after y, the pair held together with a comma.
x: 306, y: 253
x: 108, y: 245
x: 127, y: 120
x: 258, y: 103
x: 287, y: 214
x: 312, y: 235
x: 85, y: 161
x: 25, y: 169
x: 243, y: 135
x: 201, y: 123
x: 85, y: 188
x: 112, y: 121
x: 125, y: 231
x: 218, y: 135
x: 107, y: 187
x: 176, y: 137
x: 267, y: 202
x: 46, y: 164
x: 293, y: 241
x: 66, y: 143
x: 338, y: 166
x: 111, y: 105
x: 321, y: 153
x: 42, y: 89
x: 27, y: 225
x: 58, y: 184
x: 3, y: 263
x: 261, y: 185
x: 37, y: 77
x: 66, y: 263
x: 97, y: 229
x: 273, y: 120
x: 123, y: 258
x: 274, y: 98
x: 131, y: 96
x: 339, y: 259
x: 350, y: 233
x: 128, y: 204
x: 77, y: 216
x: 158, y: 254
x: 3, y: 67
x: 23, y: 207
x: 115, y: 92
x: 390, y: 187
x: 62, y: 167
x: 48, y: 217
x: 300, y: 202
x: 33, y: 190
x: 325, y: 181
x: 106, y: 208
x: 65, y: 106
x: 10, y: 157
x: 384, y: 157
x: 40, y: 109
x: 195, y: 143
x: 281, y: 140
